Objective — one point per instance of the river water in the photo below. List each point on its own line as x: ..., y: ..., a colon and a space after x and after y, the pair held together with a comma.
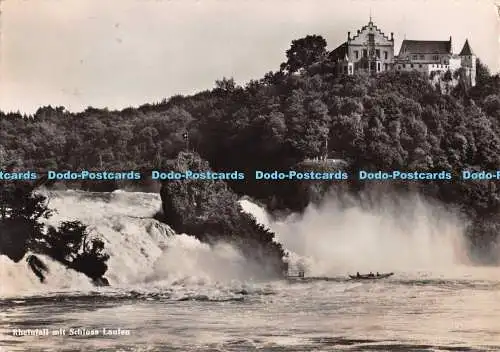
x: 404, y: 313
x: 172, y: 293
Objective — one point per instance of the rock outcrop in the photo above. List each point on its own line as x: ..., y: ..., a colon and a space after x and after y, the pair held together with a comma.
x: 209, y: 210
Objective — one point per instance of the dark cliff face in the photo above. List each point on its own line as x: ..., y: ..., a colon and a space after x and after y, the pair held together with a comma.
x: 209, y: 210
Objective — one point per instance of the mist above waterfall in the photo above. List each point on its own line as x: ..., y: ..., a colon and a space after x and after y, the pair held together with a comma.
x: 393, y: 233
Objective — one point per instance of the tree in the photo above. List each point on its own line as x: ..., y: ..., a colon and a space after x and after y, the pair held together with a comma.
x: 225, y: 84
x: 492, y: 105
x: 304, y: 52
x: 447, y: 77
x: 20, y: 213
x: 482, y: 72
x: 21, y: 230
x: 71, y: 245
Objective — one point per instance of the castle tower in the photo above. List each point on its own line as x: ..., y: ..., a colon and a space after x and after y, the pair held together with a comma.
x: 468, y: 60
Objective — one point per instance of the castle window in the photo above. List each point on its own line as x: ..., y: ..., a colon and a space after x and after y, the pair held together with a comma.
x: 415, y: 57
x: 365, y: 53
x: 411, y: 66
x: 378, y: 66
x: 422, y: 57
x: 345, y: 69
x: 385, y: 55
x: 377, y: 51
x: 435, y: 57
x: 404, y: 65
x: 420, y: 65
x: 356, y: 53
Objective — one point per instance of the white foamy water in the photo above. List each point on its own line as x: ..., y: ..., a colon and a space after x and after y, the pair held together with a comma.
x: 410, y: 235
x: 173, y: 293
x: 142, y: 250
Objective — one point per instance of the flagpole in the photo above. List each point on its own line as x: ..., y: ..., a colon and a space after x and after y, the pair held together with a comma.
x: 185, y: 136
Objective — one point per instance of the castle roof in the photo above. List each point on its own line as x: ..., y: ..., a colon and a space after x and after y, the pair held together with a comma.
x: 425, y: 47
x: 339, y: 52
x: 371, y: 25
x: 466, y: 50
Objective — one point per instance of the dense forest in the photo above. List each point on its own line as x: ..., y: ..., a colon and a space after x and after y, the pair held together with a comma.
x: 393, y: 120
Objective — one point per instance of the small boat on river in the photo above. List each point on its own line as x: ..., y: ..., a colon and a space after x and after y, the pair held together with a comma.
x: 370, y: 276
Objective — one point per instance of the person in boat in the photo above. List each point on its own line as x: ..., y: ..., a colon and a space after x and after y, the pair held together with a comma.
x: 371, y: 274
x: 378, y: 274
x: 357, y: 274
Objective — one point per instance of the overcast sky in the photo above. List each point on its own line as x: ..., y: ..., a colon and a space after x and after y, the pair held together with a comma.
x: 119, y: 53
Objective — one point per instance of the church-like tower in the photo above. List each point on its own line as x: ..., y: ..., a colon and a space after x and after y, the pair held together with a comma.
x: 468, y: 60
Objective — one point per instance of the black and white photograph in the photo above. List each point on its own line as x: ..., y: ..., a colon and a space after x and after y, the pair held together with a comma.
x: 249, y: 175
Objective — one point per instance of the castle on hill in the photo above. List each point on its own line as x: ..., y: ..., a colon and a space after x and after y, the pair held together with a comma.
x: 371, y: 51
